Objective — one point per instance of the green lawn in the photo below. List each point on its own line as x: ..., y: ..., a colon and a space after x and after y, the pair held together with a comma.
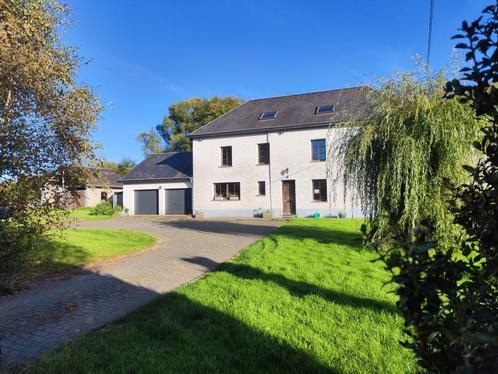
x: 83, y: 214
x: 78, y: 247
x: 305, y: 299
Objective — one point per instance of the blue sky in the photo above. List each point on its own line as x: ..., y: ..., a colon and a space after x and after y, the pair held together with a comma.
x: 145, y: 55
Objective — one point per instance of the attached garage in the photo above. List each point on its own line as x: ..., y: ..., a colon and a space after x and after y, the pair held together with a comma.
x: 160, y: 184
x: 146, y: 201
x: 178, y: 201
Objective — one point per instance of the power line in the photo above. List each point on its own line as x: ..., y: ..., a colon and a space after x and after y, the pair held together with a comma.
x: 431, y: 12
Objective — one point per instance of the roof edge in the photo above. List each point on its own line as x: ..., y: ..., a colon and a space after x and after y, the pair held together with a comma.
x: 166, y: 153
x: 129, y: 181
x: 263, y: 130
x: 363, y: 86
x: 101, y: 185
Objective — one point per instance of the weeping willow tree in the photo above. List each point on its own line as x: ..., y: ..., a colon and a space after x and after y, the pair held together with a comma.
x: 397, y: 158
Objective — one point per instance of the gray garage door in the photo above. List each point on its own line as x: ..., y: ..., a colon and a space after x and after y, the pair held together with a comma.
x: 178, y: 201
x: 146, y: 202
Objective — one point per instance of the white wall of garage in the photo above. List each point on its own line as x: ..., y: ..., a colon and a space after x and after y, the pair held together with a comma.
x: 129, y: 192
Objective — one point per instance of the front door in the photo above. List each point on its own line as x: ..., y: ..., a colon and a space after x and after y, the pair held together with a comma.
x: 289, y: 197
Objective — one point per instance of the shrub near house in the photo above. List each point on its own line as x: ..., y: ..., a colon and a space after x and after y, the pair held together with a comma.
x: 104, y: 208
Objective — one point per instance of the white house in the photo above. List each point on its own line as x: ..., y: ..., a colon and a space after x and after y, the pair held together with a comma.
x: 267, y: 155
x: 271, y: 155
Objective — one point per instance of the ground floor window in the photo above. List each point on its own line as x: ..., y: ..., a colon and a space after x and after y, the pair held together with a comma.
x: 261, y: 188
x: 103, y: 196
x: 319, y: 190
x: 227, y: 191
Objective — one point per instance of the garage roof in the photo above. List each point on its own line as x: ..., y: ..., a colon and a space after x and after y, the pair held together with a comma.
x: 288, y: 112
x: 160, y: 166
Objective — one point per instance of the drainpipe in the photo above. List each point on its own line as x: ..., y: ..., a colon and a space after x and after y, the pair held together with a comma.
x: 192, y: 193
x: 269, y: 172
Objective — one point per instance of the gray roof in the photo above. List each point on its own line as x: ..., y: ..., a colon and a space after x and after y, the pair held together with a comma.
x: 172, y: 165
x: 294, y: 111
x: 104, y: 178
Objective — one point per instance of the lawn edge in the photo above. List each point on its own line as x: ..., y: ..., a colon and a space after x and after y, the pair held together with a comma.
x: 94, y: 266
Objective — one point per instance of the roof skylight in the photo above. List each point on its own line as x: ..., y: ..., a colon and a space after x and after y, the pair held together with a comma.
x: 268, y: 115
x: 323, y: 109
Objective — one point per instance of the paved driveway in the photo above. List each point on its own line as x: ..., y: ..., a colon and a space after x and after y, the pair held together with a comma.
x: 51, y: 313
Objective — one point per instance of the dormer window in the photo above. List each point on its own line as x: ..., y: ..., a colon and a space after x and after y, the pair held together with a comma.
x: 268, y: 115
x: 324, y: 109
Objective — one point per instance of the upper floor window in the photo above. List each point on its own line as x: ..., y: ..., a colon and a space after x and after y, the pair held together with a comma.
x: 227, y: 191
x: 226, y: 156
x: 319, y: 150
x: 268, y: 115
x: 264, y: 153
x: 323, y: 109
x: 319, y: 190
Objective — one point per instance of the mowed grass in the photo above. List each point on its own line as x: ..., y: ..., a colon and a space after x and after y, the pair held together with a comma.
x: 83, y: 214
x: 78, y: 247
x: 304, y: 299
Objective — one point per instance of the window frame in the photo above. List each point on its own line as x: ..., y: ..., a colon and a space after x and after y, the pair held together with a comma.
x: 322, y: 195
x: 229, y: 159
x: 261, y: 183
x: 318, y: 109
x: 267, y: 155
x: 262, y: 115
x: 318, y: 159
x: 104, y: 196
x: 227, y: 196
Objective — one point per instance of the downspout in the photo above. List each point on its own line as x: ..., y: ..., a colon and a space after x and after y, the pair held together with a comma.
x: 269, y: 172
x: 192, y: 193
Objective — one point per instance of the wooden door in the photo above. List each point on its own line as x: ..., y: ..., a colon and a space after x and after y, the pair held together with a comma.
x: 289, y: 197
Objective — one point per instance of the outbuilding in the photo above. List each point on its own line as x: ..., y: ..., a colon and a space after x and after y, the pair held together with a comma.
x: 161, y: 184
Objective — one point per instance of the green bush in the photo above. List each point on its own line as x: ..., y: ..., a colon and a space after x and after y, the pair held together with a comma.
x: 104, y: 208
x: 20, y: 236
x: 11, y: 258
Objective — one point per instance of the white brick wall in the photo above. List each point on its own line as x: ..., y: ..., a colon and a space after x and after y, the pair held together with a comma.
x: 288, y: 150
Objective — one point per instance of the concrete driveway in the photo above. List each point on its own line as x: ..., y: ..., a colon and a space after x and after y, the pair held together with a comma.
x: 51, y: 313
